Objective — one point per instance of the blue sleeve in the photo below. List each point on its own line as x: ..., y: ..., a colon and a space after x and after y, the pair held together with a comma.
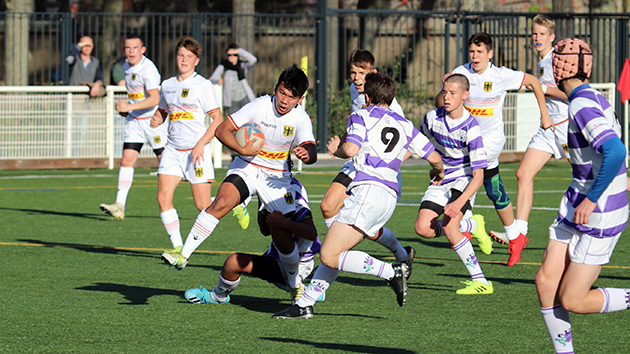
x: 614, y: 154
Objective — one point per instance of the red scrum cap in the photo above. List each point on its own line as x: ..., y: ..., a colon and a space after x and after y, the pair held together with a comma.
x: 572, y: 58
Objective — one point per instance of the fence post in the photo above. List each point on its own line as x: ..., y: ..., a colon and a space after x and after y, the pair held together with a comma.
x: 109, y: 119
x: 320, y: 76
x: 69, y: 109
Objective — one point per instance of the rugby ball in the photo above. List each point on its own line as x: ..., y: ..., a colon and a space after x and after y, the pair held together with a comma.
x: 249, y: 132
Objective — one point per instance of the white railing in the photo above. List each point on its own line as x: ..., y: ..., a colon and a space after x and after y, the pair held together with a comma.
x: 61, y: 122
x: 521, y: 116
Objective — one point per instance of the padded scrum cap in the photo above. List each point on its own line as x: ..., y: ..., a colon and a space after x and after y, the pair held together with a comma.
x: 572, y: 57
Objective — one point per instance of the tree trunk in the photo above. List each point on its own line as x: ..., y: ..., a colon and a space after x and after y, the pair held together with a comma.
x: 243, y: 24
x: 111, y: 37
x: 17, y: 49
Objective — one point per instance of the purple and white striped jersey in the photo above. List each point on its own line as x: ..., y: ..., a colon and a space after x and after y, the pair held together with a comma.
x: 383, y: 138
x: 592, y: 121
x: 458, y: 141
x: 307, y: 249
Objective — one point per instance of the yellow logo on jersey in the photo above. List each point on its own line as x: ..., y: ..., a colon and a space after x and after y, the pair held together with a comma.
x: 198, y: 171
x: 288, y: 197
x: 181, y: 116
x: 133, y: 77
x: 565, y: 147
x: 542, y: 72
x: 274, y: 155
x: 135, y: 95
x: 185, y: 93
x: 157, y: 139
x: 487, y: 86
x: 480, y: 112
x: 288, y: 131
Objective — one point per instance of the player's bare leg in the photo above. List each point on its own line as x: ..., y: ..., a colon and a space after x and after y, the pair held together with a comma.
x: 533, y: 161
x: 333, y: 200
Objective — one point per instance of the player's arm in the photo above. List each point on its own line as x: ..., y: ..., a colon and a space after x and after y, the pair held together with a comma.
x: 343, y: 149
x: 225, y: 134
x: 613, y: 156
x: 554, y: 91
x: 151, y: 101
x: 532, y: 81
x: 454, y: 208
x: 304, y: 229
x: 306, y: 152
x: 158, y: 118
x: 217, y: 118
x: 437, y: 167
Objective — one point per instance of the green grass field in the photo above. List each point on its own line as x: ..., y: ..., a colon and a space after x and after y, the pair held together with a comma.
x: 75, y: 281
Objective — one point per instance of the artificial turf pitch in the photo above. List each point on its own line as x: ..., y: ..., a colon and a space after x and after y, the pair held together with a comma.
x: 75, y: 281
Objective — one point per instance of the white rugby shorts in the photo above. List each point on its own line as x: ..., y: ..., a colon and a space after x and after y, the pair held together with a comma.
x: 368, y: 208
x: 179, y: 163
x: 552, y: 142
x: 140, y: 131
x: 493, y: 144
x: 584, y: 248
x: 273, y: 188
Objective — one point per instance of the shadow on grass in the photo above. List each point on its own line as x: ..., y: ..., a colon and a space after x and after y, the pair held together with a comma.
x: 351, y: 348
x: 136, y: 295
x: 98, y: 216
x: 92, y: 248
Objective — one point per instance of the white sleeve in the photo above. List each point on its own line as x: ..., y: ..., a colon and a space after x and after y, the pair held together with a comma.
x: 513, y: 79
x: 248, y: 113
x: 152, y: 80
x: 209, y: 99
x: 304, y: 130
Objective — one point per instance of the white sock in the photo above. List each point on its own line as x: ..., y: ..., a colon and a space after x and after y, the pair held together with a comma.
x: 466, y: 253
x: 615, y: 299
x: 389, y: 241
x: 245, y: 203
x: 290, y: 262
x: 559, y: 326
x: 512, y: 232
x: 468, y: 225
x: 330, y: 221
x: 523, y: 226
x: 203, y: 227
x: 362, y: 263
x: 125, y: 179
x: 224, y: 288
x: 322, y: 279
x: 170, y: 219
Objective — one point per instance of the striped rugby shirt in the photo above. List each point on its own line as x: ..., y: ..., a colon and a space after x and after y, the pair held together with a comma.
x: 307, y: 249
x: 592, y: 121
x: 187, y: 104
x: 383, y: 138
x: 458, y: 141
x: 557, y: 107
x: 282, y: 132
x: 487, y: 94
x: 140, y: 79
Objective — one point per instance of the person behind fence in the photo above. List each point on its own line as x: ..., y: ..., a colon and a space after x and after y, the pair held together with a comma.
x: 594, y: 210
x: 263, y: 169
x: 377, y: 140
x: 488, y: 87
x: 85, y: 69
x: 117, y: 75
x: 143, y: 89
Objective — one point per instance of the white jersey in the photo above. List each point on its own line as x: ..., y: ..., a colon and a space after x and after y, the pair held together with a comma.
x: 459, y: 143
x: 383, y: 138
x: 187, y: 104
x: 487, y: 93
x: 358, y: 102
x: 140, y: 79
x: 282, y: 132
x: 557, y: 107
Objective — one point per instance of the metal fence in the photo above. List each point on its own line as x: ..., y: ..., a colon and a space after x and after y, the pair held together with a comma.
x: 415, y: 47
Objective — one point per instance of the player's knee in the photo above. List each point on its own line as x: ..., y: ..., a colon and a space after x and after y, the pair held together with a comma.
x: 329, y: 260
x: 424, y: 229
x: 329, y: 207
x: 524, y: 174
x: 573, y: 304
x: 231, y: 264
x: 496, y: 192
x: 163, y: 198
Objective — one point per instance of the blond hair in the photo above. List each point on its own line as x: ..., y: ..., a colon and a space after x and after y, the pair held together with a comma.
x: 544, y: 21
